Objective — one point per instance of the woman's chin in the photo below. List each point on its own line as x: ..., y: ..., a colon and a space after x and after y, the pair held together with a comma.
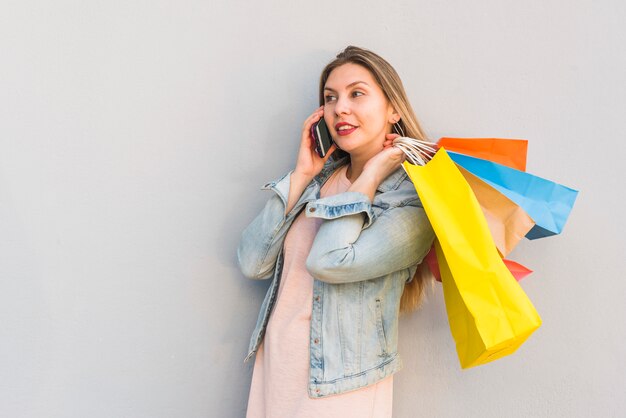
x: 356, y: 147
x: 346, y: 144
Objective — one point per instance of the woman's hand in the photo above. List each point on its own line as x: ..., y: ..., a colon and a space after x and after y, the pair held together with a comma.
x: 378, y: 168
x: 309, y: 164
x: 389, y: 140
x: 385, y: 162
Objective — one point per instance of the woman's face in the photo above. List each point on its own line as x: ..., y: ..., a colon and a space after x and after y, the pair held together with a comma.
x: 356, y: 110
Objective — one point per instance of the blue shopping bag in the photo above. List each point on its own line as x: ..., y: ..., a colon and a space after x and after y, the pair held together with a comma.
x: 546, y: 202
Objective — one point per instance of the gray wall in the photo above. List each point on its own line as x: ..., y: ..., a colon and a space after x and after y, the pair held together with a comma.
x: 134, y: 137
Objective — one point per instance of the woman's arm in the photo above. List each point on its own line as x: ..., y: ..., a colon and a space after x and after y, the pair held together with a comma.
x: 262, y: 240
x: 309, y: 164
x: 351, y: 245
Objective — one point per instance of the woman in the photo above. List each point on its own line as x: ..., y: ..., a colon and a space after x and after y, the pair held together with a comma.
x: 341, y: 238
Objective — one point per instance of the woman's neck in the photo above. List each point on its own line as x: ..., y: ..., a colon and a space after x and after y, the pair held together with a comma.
x: 357, y: 163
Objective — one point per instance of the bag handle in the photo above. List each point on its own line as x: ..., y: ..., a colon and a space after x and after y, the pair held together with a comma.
x: 418, y: 152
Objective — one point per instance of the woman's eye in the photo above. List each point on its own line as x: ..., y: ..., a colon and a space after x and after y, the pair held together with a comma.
x: 329, y: 98
x: 357, y: 93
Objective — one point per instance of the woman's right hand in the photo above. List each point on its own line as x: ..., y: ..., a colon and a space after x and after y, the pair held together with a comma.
x: 309, y: 164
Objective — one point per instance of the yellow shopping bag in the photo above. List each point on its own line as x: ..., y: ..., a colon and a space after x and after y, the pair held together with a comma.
x: 490, y: 315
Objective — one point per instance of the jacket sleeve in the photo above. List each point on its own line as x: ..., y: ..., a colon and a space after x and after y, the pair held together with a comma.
x: 263, y: 239
x: 353, y: 245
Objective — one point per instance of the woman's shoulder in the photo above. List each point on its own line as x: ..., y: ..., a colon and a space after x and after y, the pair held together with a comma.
x: 398, y: 180
x: 398, y: 190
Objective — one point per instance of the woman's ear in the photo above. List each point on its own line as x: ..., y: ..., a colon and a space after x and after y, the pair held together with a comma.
x: 394, y: 117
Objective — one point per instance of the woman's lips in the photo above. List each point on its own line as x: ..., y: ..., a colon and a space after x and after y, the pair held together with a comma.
x: 344, y: 129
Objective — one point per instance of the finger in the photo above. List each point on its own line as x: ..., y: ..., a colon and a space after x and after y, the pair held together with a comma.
x: 396, y: 152
x: 330, y: 151
x: 314, y: 117
x: 306, y: 128
x: 392, y: 136
x: 310, y: 121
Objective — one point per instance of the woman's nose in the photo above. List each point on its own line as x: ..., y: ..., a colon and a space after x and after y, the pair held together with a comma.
x: 342, y: 106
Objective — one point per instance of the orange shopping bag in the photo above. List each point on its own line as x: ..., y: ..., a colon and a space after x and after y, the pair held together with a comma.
x: 509, y: 152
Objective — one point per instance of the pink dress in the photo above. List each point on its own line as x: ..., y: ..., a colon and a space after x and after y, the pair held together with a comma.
x: 281, y: 368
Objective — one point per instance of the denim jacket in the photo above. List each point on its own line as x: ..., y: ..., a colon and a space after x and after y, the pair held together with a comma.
x: 361, y: 258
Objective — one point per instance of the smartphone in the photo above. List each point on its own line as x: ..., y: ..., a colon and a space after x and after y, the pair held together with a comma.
x: 322, y: 138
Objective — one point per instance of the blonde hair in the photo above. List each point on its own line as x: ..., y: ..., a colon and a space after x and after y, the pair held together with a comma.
x: 391, y: 85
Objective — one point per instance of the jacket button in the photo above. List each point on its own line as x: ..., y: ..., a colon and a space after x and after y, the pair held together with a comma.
x: 316, y: 341
x: 317, y: 298
x: 317, y: 391
x: 311, y: 209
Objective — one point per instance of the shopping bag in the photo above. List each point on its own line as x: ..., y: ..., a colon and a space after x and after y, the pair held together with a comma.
x: 508, y: 222
x: 490, y: 315
x: 509, y: 152
x: 546, y: 202
x: 517, y: 270
x: 487, y: 321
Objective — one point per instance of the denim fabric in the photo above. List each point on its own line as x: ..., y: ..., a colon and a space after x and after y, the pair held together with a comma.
x: 362, y: 256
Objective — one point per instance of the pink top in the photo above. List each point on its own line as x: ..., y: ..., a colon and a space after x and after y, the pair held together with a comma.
x: 281, y: 367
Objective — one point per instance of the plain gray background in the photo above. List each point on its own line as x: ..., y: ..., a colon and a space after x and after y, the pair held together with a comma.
x: 134, y: 138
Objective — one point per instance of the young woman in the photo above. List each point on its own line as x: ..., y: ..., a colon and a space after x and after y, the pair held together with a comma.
x: 341, y: 238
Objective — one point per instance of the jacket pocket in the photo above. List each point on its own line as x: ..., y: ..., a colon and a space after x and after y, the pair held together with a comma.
x: 380, y: 328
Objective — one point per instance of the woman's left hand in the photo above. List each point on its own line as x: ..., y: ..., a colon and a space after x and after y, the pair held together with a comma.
x: 385, y: 162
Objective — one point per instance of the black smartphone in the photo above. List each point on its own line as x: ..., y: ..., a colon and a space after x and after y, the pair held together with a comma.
x: 322, y: 138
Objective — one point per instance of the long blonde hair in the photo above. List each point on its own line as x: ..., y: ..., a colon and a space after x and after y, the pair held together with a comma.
x: 391, y: 85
